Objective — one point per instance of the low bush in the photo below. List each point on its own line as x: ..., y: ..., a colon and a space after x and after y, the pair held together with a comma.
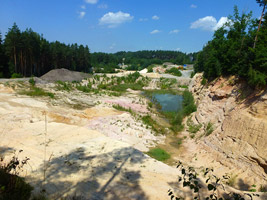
x: 204, y: 81
x: 188, y: 103
x: 209, y: 129
x: 174, y: 71
x: 32, y: 81
x: 11, y: 185
x: 15, y: 75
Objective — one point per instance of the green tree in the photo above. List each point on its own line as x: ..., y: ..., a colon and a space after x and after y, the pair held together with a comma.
x: 262, y: 3
x: 12, y: 45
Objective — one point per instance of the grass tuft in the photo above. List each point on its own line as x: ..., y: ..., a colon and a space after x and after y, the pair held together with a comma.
x: 159, y: 154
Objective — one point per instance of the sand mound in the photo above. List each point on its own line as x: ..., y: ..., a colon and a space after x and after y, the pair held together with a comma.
x: 64, y: 75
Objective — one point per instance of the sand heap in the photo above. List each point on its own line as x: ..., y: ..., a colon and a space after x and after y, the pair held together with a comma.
x: 64, y: 75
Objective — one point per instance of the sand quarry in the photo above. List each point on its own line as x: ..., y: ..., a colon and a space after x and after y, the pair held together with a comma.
x: 80, y: 147
x: 93, y: 153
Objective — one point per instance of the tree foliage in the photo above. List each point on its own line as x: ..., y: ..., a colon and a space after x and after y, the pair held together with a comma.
x: 139, y: 60
x: 28, y: 53
x: 231, y: 51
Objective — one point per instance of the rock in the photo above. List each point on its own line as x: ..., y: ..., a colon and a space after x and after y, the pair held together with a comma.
x: 239, y: 138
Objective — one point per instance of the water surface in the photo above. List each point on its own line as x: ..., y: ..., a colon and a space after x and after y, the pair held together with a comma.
x: 169, y: 102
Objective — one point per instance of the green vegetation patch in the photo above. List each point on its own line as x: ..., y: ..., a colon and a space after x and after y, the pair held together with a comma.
x: 147, y: 120
x: 121, y: 108
x: 174, y: 71
x: 183, y: 86
x: 64, y: 86
x: 35, y: 92
x: 209, y: 129
x: 192, y: 128
x: 159, y: 154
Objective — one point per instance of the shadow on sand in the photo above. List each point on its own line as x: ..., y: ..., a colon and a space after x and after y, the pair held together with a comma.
x: 102, y: 176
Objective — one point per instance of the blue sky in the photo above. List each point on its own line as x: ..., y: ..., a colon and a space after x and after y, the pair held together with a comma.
x: 123, y: 25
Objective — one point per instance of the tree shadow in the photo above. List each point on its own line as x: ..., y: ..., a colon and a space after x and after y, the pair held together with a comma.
x: 6, y: 150
x: 242, y: 185
x: 98, y: 176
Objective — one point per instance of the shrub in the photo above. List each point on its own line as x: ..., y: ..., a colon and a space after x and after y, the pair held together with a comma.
x: 11, y: 185
x: 16, y: 75
x: 209, y: 129
x: 204, y: 81
x: 159, y: 154
x: 174, y: 71
x: 193, y: 128
x: 32, y: 81
x: 189, y: 178
x: 188, y: 103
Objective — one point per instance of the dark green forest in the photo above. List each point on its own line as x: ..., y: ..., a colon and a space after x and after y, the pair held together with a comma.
x: 27, y: 53
x: 238, y: 48
x: 140, y: 59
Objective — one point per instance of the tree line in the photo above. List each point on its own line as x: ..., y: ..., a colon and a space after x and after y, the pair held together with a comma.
x: 140, y: 59
x: 238, y: 48
x: 27, y: 53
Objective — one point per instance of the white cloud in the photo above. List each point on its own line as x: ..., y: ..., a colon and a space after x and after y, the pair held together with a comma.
x: 83, y: 7
x: 155, y: 32
x: 193, y: 6
x: 115, y: 19
x: 177, y: 49
x: 91, y: 1
x: 143, y: 19
x: 175, y: 31
x: 82, y: 14
x: 103, y: 6
x: 221, y: 22
x: 208, y: 23
x: 155, y: 17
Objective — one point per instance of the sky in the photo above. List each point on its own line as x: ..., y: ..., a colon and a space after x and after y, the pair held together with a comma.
x: 124, y: 25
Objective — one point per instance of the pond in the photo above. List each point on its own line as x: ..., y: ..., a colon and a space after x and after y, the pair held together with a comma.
x: 168, y: 102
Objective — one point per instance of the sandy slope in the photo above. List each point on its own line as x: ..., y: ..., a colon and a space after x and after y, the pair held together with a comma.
x: 80, y: 161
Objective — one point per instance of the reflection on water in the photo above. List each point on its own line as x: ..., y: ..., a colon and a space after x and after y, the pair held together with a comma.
x: 169, y: 102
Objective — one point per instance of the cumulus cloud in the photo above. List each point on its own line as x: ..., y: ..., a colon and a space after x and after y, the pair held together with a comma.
x: 115, y: 19
x: 83, y: 7
x: 175, y: 31
x: 208, y: 23
x: 82, y: 14
x: 221, y: 22
x: 193, y: 6
x: 155, y: 31
x: 155, y: 17
x: 91, y: 1
x: 103, y: 6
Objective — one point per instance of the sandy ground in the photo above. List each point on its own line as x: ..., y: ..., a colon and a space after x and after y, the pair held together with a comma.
x: 84, y: 154
x: 94, y: 152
